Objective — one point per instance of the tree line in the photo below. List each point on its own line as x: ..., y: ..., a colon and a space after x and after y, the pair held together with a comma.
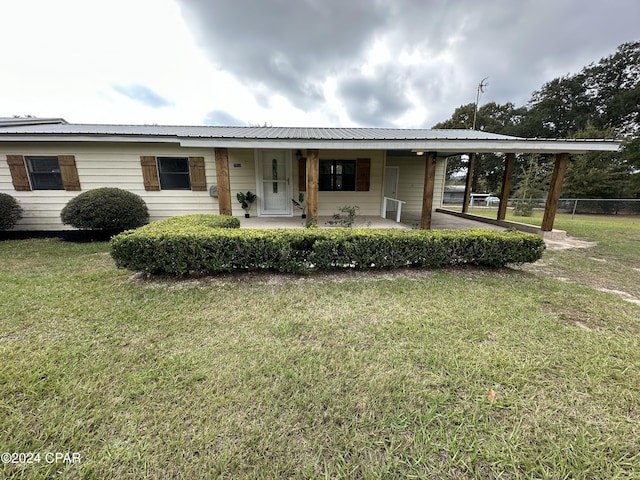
x: 601, y: 101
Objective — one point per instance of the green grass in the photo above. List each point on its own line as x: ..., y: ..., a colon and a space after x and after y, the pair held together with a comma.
x: 380, y: 375
x: 613, y: 263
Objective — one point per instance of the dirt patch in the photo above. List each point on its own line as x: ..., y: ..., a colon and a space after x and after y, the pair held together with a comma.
x: 576, y: 317
x: 623, y: 295
x: 567, y: 243
x: 271, y: 278
x: 582, y: 326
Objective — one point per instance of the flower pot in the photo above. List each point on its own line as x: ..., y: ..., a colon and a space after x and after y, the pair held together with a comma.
x: 247, y: 215
x: 304, y: 215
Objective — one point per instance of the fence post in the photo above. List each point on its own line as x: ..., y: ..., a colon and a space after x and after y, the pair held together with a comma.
x: 574, y: 209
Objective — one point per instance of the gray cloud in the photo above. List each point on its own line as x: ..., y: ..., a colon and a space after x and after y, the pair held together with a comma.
x: 374, y: 100
x: 281, y: 46
x: 291, y: 48
x: 222, y: 118
x: 143, y: 95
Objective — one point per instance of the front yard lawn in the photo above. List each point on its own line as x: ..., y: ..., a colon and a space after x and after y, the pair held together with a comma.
x: 460, y: 373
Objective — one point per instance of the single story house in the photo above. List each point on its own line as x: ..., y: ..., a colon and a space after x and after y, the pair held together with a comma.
x: 200, y: 169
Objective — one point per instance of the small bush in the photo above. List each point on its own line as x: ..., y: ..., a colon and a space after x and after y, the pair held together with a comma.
x: 107, y: 209
x: 201, y: 250
x: 346, y: 216
x: 523, y: 208
x: 10, y: 211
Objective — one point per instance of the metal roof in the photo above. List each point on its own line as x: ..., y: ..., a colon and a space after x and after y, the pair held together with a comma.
x: 266, y: 133
x: 17, y: 121
x: 443, y: 141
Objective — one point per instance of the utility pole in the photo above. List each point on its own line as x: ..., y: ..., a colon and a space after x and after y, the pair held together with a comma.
x: 481, y: 86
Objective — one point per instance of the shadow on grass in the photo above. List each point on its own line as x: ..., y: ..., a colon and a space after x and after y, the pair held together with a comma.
x: 75, y: 236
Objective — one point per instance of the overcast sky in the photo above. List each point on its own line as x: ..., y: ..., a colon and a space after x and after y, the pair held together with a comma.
x: 342, y: 63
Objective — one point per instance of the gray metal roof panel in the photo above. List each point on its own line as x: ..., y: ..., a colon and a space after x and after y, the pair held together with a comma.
x: 251, y: 132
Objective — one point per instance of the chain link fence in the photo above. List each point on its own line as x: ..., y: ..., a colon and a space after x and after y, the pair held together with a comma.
x: 602, y: 206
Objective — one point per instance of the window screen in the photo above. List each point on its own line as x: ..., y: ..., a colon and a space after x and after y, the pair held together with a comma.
x: 44, y: 173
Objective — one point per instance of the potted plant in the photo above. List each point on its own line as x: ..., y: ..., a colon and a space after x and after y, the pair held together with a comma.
x: 246, y: 199
x: 300, y: 204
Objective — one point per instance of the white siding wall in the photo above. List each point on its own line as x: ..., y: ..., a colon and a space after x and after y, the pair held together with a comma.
x: 242, y: 178
x: 411, y: 181
x: 118, y: 165
x: 105, y: 165
x: 369, y: 202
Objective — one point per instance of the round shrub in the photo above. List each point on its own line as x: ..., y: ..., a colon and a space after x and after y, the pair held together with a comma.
x: 10, y: 211
x: 107, y: 209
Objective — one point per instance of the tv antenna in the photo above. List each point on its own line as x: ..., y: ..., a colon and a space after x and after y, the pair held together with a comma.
x: 481, y: 87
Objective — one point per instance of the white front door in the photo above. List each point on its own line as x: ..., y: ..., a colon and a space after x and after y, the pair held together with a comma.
x: 391, y: 175
x: 273, y: 185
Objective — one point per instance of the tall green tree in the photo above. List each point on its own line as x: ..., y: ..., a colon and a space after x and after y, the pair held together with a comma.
x: 600, y: 101
x: 598, y: 175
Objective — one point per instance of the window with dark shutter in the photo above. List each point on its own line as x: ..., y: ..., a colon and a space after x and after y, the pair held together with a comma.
x: 337, y: 175
x: 44, y: 173
x: 174, y: 173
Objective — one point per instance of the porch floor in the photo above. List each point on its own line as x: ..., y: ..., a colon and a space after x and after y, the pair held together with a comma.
x: 439, y: 221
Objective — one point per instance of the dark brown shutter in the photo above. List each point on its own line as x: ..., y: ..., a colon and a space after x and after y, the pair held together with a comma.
x: 69, y: 172
x: 302, y: 174
x: 197, y: 175
x: 363, y: 174
x: 18, y: 173
x: 150, y: 173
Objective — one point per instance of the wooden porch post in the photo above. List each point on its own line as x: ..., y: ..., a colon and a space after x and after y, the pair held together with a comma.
x: 467, y: 187
x: 427, y: 196
x: 312, y: 186
x: 506, y: 185
x: 222, y: 177
x: 555, y: 189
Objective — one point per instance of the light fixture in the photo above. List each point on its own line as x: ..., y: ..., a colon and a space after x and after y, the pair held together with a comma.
x: 298, y: 154
x: 419, y: 153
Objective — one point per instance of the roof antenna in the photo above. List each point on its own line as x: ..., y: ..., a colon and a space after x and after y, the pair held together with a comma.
x: 481, y: 86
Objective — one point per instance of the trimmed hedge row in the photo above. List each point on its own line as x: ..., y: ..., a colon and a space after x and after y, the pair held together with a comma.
x: 201, y: 250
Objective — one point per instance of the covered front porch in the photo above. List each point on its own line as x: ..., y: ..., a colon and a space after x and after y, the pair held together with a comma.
x: 374, y: 169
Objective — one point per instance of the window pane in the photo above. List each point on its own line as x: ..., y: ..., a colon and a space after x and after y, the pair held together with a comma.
x: 325, y: 167
x: 175, y: 181
x: 324, y: 183
x: 337, y: 175
x: 349, y: 182
x: 349, y: 167
x: 44, y: 173
x: 173, y: 165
